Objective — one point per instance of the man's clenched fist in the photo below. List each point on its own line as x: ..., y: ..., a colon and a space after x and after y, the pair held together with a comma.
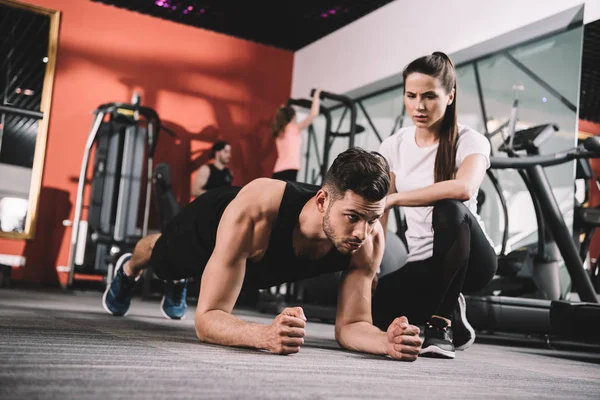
x: 286, y: 333
x: 403, y: 341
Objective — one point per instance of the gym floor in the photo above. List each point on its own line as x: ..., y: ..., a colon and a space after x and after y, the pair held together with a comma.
x: 63, y: 345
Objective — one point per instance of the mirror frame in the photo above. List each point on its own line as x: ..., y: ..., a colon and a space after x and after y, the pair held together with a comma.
x: 40, y: 143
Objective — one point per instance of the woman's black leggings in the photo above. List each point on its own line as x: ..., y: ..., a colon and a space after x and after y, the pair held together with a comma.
x: 463, y: 261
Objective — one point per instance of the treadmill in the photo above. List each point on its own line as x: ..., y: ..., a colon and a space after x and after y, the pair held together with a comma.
x: 560, y: 319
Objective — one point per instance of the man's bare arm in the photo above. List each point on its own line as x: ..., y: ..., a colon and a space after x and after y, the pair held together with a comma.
x: 354, y: 327
x: 200, y: 180
x: 238, y: 235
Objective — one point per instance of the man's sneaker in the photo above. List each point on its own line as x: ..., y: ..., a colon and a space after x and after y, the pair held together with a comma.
x: 438, y: 339
x: 173, y: 305
x: 464, y: 334
x: 117, y: 296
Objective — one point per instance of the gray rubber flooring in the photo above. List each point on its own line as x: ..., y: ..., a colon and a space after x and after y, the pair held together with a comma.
x: 63, y: 345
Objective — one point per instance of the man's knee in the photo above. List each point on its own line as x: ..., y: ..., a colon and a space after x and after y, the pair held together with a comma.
x: 147, y: 243
x: 450, y: 212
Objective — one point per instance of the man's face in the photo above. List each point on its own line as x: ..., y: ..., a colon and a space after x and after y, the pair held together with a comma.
x: 224, y: 156
x: 349, y: 221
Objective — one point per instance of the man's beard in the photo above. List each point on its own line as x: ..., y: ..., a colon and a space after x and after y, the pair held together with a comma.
x: 328, y: 229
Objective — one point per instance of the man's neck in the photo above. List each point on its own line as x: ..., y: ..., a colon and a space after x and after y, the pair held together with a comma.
x: 310, y: 222
x: 218, y: 164
x: 309, y: 237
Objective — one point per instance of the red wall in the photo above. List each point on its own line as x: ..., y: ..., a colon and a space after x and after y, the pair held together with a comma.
x: 203, y: 85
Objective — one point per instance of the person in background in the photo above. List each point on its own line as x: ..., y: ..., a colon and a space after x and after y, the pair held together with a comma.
x: 288, y: 138
x: 215, y: 174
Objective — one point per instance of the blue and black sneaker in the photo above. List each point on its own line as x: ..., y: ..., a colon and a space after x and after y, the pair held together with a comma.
x: 117, y: 296
x: 173, y: 305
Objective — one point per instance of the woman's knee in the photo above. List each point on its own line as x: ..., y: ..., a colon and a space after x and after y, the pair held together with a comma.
x: 449, y: 212
x: 480, y: 273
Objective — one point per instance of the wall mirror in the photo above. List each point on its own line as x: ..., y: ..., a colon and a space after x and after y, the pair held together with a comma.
x: 28, y: 43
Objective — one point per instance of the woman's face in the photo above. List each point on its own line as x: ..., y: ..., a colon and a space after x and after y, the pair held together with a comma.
x: 426, y: 99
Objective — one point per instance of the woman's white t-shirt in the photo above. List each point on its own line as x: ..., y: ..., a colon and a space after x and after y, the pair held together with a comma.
x: 414, y: 169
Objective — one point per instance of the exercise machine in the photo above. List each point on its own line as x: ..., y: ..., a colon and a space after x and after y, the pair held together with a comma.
x: 538, y: 267
x: 124, y: 137
x: 552, y: 315
x: 330, y: 134
x: 586, y: 219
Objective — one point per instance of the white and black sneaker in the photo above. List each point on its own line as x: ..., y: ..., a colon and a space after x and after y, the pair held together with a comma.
x: 438, y: 339
x: 463, y: 332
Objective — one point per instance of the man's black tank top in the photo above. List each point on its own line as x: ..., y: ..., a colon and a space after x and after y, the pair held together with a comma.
x: 218, y: 177
x: 279, y: 264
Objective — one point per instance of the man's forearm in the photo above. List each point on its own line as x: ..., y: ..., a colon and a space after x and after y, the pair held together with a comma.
x: 219, y: 327
x: 362, y: 336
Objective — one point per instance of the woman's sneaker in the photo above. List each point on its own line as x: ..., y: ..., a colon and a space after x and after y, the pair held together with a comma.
x: 438, y: 339
x: 464, y: 334
x: 117, y: 296
x: 173, y: 305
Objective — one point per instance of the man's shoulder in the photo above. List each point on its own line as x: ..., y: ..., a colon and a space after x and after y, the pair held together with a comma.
x: 261, y: 197
x: 270, y: 185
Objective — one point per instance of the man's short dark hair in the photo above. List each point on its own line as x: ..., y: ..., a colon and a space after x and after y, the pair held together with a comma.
x: 218, y: 146
x: 366, y: 173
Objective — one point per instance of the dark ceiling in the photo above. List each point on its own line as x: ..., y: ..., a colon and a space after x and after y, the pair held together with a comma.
x: 285, y: 24
x: 291, y: 25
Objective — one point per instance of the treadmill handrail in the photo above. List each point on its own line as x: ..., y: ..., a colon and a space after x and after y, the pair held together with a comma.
x: 351, y: 105
x: 348, y: 102
x: 547, y: 160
